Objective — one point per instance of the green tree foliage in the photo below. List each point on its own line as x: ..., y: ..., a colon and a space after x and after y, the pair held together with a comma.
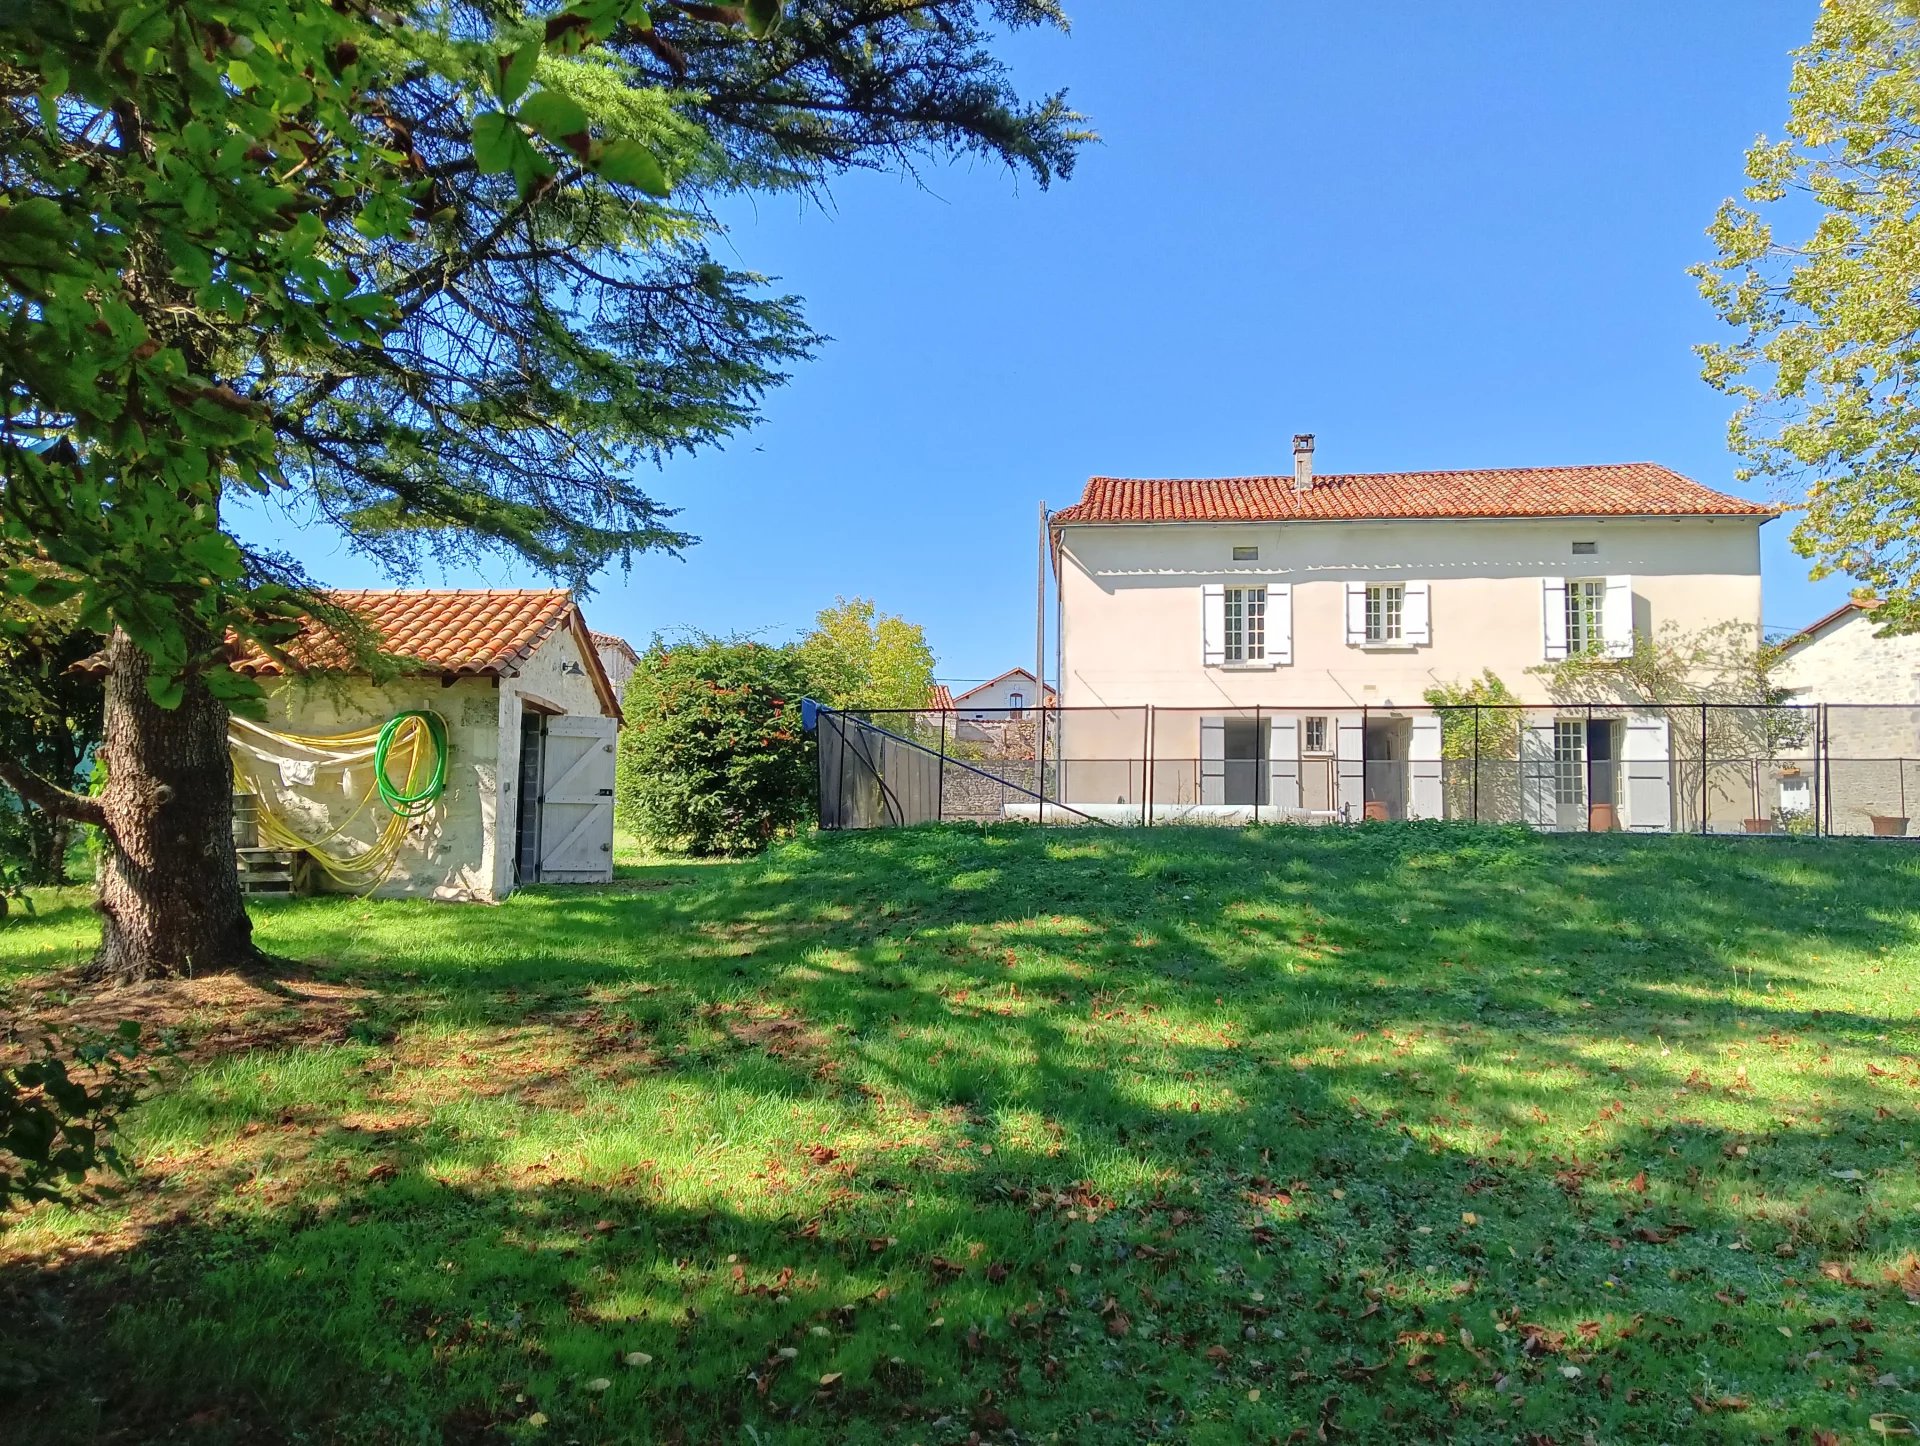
x: 857, y: 656
x: 1826, y: 364
x: 713, y: 759
x: 1479, y: 725
x: 58, y: 1110
x: 49, y: 719
x: 436, y: 274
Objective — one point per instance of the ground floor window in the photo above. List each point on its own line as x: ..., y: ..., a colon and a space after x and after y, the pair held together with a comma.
x: 1569, y: 760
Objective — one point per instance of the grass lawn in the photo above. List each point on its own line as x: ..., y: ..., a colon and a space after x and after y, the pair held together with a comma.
x: 1395, y: 1133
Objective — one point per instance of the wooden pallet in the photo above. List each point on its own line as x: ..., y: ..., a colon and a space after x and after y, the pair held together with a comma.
x: 274, y: 871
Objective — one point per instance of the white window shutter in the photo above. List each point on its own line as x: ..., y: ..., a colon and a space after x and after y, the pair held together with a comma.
x: 1350, y: 767
x: 1213, y: 624
x: 1537, y: 771
x: 1416, y: 615
x: 1213, y: 760
x: 1279, y: 623
x: 1553, y: 609
x: 1423, y: 757
x: 1646, y: 758
x: 1283, y: 765
x: 1616, y: 617
x: 1356, y: 614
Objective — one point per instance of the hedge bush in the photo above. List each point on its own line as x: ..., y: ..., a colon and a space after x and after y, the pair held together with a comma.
x: 713, y: 759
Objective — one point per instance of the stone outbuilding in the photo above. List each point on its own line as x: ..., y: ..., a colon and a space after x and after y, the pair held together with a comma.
x: 530, y: 716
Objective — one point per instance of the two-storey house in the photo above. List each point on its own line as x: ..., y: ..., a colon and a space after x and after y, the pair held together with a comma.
x: 1331, y: 604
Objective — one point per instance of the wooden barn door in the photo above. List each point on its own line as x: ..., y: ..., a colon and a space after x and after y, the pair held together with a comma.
x: 576, y: 809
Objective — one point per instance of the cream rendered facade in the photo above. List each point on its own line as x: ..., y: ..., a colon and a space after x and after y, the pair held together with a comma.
x: 1142, y: 606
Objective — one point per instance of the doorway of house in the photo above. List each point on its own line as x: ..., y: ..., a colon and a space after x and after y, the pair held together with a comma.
x: 1319, y: 777
x: 1384, y: 750
x: 1586, y: 775
x: 1244, y: 746
x: 530, y: 777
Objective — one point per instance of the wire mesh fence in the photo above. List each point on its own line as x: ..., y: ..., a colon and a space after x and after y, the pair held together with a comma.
x: 1601, y: 767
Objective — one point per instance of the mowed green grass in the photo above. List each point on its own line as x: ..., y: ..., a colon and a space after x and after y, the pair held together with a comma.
x: 1392, y: 1133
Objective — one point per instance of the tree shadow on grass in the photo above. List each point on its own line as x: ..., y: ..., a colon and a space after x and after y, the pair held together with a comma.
x: 1247, y: 1130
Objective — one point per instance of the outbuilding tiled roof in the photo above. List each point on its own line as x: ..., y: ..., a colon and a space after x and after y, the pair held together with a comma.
x: 1626, y: 489
x: 941, y: 697
x: 614, y: 640
x: 466, y: 633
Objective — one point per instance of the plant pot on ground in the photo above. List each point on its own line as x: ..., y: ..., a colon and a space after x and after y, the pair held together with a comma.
x: 1888, y: 825
x: 1759, y: 825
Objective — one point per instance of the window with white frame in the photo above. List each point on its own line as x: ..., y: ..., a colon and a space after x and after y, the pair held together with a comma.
x: 1314, y: 736
x: 1245, y: 553
x: 1586, y: 604
x: 1386, y: 607
x: 1246, y: 640
x: 1569, y: 761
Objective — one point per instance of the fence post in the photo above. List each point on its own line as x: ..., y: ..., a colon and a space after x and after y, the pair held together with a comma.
x: 1586, y: 750
x: 1040, y: 774
x: 1146, y: 767
x: 1703, y: 768
x: 1258, y: 761
x: 1476, y: 763
x: 1826, y: 709
x: 940, y: 778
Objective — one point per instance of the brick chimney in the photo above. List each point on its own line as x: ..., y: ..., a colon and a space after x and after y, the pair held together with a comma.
x: 1303, y: 462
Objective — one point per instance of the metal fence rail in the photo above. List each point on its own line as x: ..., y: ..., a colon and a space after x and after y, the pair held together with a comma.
x: 1582, y: 767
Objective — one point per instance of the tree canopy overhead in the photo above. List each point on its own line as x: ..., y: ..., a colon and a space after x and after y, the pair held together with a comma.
x: 1817, y: 272
x: 439, y: 271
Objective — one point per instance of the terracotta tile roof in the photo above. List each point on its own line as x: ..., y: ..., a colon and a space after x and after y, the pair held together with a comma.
x: 940, y: 698
x: 1846, y: 609
x: 1050, y: 696
x: 614, y: 640
x: 1627, y: 489
x: 467, y: 633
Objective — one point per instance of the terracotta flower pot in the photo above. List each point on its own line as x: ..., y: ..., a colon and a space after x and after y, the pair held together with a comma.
x: 1376, y: 810
x: 1601, y: 818
x: 1888, y: 825
x: 1759, y: 825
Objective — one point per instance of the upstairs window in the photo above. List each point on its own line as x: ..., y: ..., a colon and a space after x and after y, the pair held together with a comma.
x: 1016, y: 704
x: 1246, y: 554
x: 1386, y: 610
x: 1586, y: 549
x: 1586, y: 606
x: 1314, y: 736
x: 1246, y: 633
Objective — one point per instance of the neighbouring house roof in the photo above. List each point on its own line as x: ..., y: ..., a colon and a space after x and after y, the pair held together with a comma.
x: 958, y: 699
x: 459, y: 633
x: 940, y: 697
x: 1627, y: 489
x: 618, y: 643
x: 1819, y: 625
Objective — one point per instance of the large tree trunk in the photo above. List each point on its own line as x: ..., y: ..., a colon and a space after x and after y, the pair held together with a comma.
x: 169, y: 895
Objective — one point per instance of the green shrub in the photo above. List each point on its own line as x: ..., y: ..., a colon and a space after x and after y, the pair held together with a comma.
x: 713, y: 759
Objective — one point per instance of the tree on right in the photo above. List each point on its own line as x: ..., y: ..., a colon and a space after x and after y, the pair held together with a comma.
x: 1816, y: 271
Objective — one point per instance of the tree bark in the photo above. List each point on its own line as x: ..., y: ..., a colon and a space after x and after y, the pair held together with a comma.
x: 170, y: 898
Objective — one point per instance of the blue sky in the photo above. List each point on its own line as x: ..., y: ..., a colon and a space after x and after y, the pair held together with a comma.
x: 1437, y: 236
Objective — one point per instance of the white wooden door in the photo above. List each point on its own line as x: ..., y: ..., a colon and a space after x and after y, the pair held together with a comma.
x: 576, y: 808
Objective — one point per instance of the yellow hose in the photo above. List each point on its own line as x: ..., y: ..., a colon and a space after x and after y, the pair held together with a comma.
x: 363, y: 869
